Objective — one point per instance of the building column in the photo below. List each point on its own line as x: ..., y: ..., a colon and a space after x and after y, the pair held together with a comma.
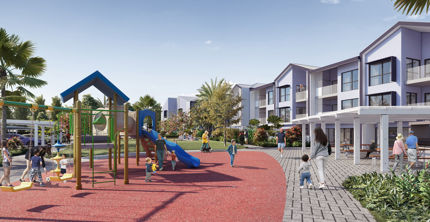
x: 400, y: 127
x: 323, y: 127
x: 311, y: 134
x: 383, y: 142
x: 303, y: 137
x: 337, y: 139
x: 36, y: 135
x: 357, y: 140
x: 43, y: 136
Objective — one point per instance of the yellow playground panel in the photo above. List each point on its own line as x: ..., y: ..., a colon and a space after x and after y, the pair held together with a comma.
x: 22, y: 186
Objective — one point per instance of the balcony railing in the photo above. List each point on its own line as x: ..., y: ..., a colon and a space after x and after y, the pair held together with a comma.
x: 328, y: 91
x: 418, y: 74
x: 301, y: 96
x: 419, y: 104
x: 262, y: 120
x: 262, y: 103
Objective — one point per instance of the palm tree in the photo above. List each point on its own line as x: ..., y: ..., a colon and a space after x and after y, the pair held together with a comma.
x: 412, y: 7
x: 18, y: 69
x: 207, y: 89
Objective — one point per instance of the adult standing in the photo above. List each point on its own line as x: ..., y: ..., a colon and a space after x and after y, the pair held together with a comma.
x: 412, y: 145
x: 319, y: 152
x: 7, y: 164
x: 161, y: 149
x: 281, y: 140
x: 398, y: 151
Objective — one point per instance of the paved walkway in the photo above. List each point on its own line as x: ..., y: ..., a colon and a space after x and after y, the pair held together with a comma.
x: 333, y: 203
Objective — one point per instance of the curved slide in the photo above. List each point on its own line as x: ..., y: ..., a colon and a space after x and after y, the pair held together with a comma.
x: 183, y: 156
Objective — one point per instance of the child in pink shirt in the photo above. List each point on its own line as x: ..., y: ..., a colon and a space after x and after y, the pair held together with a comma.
x: 398, y: 151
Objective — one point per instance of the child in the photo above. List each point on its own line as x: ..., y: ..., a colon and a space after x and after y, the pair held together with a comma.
x: 148, y: 169
x: 232, y: 150
x: 63, y: 164
x: 7, y: 162
x: 35, y: 168
x: 304, y: 172
x: 173, y: 155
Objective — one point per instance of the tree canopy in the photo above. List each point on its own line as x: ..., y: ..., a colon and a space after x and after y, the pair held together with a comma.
x: 91, y: 102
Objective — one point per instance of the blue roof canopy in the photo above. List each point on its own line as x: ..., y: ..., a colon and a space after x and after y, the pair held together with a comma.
x: 101, y: 83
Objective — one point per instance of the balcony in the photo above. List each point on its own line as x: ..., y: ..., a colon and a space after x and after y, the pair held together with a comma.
x: 262, y: 120
x: 299, y: 116
x: 418, y: 76
x: 328, y: 91
x: 301, y: 96
x: 419, y: 104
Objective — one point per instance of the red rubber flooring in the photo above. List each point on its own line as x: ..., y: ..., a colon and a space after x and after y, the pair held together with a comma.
x: 254, y: 190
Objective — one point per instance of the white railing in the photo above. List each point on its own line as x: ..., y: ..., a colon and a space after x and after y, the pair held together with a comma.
x: 301, y: 96
x: 262, y: 120
x: 262, y: 102
x: 419, y: 104
x: 330, y: 90
x: 418, y: 72
x: 299, y: 116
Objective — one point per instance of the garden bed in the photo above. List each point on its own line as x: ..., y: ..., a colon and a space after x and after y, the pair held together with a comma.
x: 391, y: 197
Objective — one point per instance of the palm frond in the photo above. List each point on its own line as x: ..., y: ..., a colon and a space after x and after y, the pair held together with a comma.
x: 34, y: 67
x: 412, y: 7
x: 25, y: 92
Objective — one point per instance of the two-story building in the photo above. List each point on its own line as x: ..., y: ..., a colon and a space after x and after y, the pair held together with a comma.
x: 173, y: 106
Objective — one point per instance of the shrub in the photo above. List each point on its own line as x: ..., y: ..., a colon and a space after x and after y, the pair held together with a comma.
x: 266, y: 144
x: 200, y: 133
x: 297, y: 144
x: 233, y: 134
x: 260, y: 135
x: 294, y: 134
x: 404, y: 197
x: 265, y: 127
x: 172, y: 135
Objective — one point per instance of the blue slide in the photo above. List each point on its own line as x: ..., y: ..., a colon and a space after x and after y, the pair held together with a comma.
x: 183, y: 156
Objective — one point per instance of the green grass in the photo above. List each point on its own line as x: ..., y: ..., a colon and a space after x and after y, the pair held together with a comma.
x: 195, y: 145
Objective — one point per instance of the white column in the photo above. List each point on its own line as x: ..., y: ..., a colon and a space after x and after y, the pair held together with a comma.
x: 383, y: 142
x: 52, y: 136
x: 61, y: 136
x: 400, y: 127
x: 323, y: 127
x: 303, y: 137
x: 337, y: 139
x: 311, y: 134
x: 43, y: 136
x: 357, y: 140
x: 36, y: 135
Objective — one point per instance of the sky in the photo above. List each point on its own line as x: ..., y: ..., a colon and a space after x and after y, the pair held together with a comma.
x: 170, y: 48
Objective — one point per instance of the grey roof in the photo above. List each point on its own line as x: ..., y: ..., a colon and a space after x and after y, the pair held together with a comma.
x: 337, y: 64
x: 307, y: 67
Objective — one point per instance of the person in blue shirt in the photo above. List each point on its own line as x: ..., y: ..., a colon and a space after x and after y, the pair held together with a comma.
x: 36, y: 160
x: 412, y: 145
x: 232, y: 150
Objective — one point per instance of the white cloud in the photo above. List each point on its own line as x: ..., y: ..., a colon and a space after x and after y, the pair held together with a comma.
x: 208, y: 42
x: 333, y: 2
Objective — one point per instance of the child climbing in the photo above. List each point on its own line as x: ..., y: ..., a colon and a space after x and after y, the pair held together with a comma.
x: 148, y: 169
x: 35, y: 168
x: 173, y: 156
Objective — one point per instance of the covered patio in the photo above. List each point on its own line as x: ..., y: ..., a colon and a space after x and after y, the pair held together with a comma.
x: 364, y: 120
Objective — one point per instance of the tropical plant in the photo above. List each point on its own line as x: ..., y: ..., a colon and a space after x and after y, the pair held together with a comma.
x: 179, y: 124
x: 412, y: 7
x: 275, y: 120
x: 56, y: 101
x: 207, y: 89
x: 91, y: 102
x: 148, y: 102
x: 14, y: 143
x: 40, y: 114
x: 260, y: 135
x: 254, y: 123
x: 19, y: 69
x: 294, y: 134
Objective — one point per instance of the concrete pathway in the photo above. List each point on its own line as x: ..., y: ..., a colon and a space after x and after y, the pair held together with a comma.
x: 19, y: 164
x: 332, y: 203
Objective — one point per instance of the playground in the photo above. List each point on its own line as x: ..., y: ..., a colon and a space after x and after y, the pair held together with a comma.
x: 212, y: 192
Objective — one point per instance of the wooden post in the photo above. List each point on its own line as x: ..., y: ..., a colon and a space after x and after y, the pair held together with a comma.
x: 118, y: 140
x: 126, y: 143
x: 78, y: 147
x: 109, y: 131
x: 137, y: 138
x: 115, y: 126
x: 75, y: 133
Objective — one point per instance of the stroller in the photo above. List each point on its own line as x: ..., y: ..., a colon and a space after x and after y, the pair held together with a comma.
x: 206, y: 148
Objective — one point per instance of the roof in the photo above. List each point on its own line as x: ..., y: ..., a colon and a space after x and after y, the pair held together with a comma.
x: 418, y: 26
x: 337, y: 64
x: 307, y: 67
x: 99, y: 81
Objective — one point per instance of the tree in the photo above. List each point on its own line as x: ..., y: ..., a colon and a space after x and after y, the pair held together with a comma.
x: 91, y: 102
x: 207, y: 89
x: 179, y: 123
x: 412, y: 7
x: 275, y: 120
x: 18, y: 69
x: 148, y: 102
x: 40, y: 101
x: 56, y: 101
x: 254, y: 123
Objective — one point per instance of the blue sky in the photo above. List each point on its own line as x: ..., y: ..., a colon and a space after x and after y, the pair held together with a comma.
x: 169, y: 48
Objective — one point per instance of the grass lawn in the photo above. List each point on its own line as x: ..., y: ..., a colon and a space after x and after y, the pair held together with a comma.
x: 186, y: 145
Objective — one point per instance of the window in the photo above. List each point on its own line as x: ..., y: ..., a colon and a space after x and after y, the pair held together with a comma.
x: 411, y: 98
x: 165, y: 113
x: 427, y: 67
x: 284, y: 113
x: 270, y: 113
x: 427, y: 98
x: 300, y: 88
x: 349, y: 103
x: 301, y: 110
x: 381, y: 72
x: 413, y: 68
x: 284, y: 94
x: 385, y: 99
x: 350, y: 80
x: 269, y: 97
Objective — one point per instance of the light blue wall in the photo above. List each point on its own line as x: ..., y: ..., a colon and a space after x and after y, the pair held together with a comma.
x: 352, y: 94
